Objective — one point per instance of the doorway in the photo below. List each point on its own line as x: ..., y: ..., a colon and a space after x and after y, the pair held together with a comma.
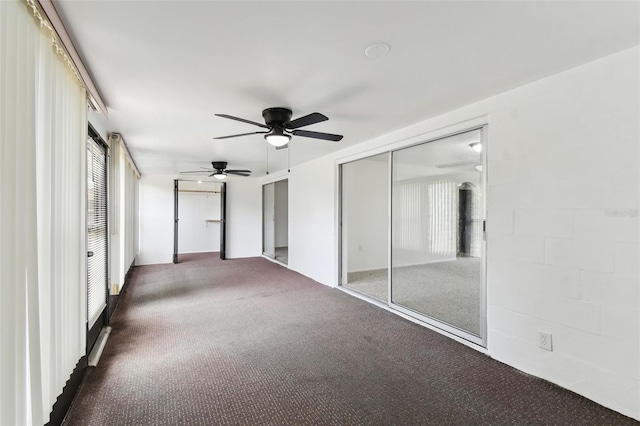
x: 199, y: 217
x: 275, y: 221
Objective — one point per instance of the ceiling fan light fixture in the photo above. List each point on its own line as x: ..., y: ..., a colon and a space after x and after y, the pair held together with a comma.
x: 277, y: 138
x: 219, y: 175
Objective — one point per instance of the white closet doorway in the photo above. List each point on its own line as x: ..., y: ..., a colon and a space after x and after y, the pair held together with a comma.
x: 199, y: 225
x: 275, y: 221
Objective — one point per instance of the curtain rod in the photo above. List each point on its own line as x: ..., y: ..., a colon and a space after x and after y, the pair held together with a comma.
x: 52, y: 15
x: 117, y: 138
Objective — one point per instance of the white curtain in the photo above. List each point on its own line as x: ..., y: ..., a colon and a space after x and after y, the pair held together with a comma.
x: 124, y: 212
x: 43, y: 127
x: 443, y: 217
x: 114, y: 217
x: 131, y: 208
x: 18, y: 271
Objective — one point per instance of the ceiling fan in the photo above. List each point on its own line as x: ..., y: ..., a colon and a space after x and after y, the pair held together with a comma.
x: 280, y: 127
x: 463, y: 165
x: 220, y: 170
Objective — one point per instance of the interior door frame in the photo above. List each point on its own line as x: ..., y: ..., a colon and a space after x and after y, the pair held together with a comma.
x: 223, y: 219
x: 264, y: 253
x: 273, y: 182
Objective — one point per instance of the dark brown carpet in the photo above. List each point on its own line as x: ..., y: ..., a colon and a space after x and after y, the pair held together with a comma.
x: 248, y: 342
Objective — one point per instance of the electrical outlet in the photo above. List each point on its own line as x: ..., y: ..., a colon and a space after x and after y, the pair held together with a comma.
x: 545, y: 341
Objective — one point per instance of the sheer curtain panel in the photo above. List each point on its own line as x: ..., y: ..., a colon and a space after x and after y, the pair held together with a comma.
x: 43, y: 128
x: 123, y: 211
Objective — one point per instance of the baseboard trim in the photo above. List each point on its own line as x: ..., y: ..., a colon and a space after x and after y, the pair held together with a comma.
x: 274, y: 260
x: 64, y: 401
x: 96, y: 352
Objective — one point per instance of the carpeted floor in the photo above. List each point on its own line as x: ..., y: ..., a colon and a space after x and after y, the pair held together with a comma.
x: 248, y: 342
x: 446, y: 291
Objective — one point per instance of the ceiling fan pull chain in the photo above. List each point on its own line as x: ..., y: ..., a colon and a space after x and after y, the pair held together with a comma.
x: 267, y: 158
x: 289, y: 158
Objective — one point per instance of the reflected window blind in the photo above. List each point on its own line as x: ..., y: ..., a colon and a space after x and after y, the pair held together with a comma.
x: 96, y: 231
x: 411, y: 216
x: 443, y: 217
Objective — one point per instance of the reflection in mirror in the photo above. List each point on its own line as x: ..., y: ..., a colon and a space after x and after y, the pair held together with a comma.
x: 268, y: 220
x: 365, y: 226
x: 437, y: 214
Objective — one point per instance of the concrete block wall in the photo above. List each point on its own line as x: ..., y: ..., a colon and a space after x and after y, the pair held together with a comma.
x: 563, y: 229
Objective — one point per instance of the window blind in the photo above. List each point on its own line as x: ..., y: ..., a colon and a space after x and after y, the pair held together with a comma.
x: 96, y: 230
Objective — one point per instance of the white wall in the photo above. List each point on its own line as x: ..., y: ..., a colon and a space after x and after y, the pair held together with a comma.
x: 312, y: 220
x: 156, y: 218
x: 244, y: 217
x: 563, y: 199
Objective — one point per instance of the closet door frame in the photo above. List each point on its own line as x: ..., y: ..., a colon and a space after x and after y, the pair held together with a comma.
x: 481, y: 124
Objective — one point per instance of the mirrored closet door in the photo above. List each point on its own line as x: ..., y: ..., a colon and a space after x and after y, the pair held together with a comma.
x: 437, y: 232
x: 365, y: 226
x: 412, y: 232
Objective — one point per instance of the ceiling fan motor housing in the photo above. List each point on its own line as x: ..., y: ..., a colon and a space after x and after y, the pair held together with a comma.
x: 219, y: 165
x: 276, y: 117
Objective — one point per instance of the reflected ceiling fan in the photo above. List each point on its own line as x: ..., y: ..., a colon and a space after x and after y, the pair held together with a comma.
x: 220, y: 171
x: 463, y: 165
x: 280, y: 127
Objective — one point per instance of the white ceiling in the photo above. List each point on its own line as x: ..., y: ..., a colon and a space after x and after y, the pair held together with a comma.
x: 165, y: 67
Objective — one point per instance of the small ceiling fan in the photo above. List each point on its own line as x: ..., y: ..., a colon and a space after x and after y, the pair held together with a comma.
x: 220, y: 171
x: 280, y: 127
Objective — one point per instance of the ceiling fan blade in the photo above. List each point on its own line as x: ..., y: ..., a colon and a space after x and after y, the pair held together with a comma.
x: 198, y: 171
x: 313, y: 118
x: 318, y: 135
x: 231, y: 117
x: 238, y: 171
x: 241, y: 134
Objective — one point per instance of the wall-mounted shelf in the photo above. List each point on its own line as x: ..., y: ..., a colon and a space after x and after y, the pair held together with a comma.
x: 199, y: 190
